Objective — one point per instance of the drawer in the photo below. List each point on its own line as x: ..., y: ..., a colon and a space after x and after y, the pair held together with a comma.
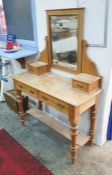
x: 51, y: 101
x: 80, y: 85
x: 20, y: 86
x: 27, y: 89
x: 31, y: 91
x: 86, y: 82
x: 38, y: 68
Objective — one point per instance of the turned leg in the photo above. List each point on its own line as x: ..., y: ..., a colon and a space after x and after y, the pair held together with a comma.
x: 73, y: 118
x: 92, y: 123
x: 20, y: 106
x: 74, y: 133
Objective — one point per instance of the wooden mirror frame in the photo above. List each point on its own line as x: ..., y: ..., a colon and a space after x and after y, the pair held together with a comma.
x: 64, y: 12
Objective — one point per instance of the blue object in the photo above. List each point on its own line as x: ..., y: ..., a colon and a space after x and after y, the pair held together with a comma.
x: 109, y: 130
x: 3, y: 79
x: 11, y: 37
x: 5, y: 64
x: 24, y: 52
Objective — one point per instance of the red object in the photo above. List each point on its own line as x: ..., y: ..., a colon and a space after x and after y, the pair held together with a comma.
x: 16, y: 160
x: 9, y: 45
x: 16, y: 44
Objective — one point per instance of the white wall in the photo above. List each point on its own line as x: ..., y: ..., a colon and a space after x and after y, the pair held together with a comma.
x: 101, y: 56
x: 43, y: 5
x: 103, y: 59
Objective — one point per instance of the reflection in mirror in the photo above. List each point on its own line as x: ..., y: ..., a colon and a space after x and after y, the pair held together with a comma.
x: 64, y: 31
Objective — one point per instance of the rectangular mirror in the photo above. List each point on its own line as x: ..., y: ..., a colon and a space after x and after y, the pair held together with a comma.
x: 65, y: 34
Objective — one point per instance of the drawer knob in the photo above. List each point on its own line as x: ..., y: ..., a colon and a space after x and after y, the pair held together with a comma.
x: 60, y: 105
x: 20, y: 86
x: 32, y: 92
x: 46, y: 99
x: 80, y: 86
x: 31, y: 69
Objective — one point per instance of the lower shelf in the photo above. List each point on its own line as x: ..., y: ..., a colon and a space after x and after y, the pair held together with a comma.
x: 56, y: 125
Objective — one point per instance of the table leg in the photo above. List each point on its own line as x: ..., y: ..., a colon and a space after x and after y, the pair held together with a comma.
x: 20, y: 106
x: 73, y: 118
x: 92, y: 123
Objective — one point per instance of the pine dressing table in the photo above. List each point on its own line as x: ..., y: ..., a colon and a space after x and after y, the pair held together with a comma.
x: 57, y: 91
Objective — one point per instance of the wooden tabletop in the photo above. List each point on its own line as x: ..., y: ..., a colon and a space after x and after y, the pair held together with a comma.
x: 57, y: 86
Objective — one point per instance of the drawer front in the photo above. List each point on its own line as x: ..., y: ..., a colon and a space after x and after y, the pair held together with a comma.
x: 43, y: 69
x: 29, y: 90
x: 20, y: 86
x: 38, y: 70
x: 32, y: 69
x: 80, y: 85
x: 58, y: 104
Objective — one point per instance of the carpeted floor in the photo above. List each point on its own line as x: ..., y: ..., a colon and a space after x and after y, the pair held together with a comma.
x: 16, y: 160
x: 53, y: 150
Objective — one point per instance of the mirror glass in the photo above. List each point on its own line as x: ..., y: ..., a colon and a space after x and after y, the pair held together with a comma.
x: 64, y: 31
x: 65, y: 35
